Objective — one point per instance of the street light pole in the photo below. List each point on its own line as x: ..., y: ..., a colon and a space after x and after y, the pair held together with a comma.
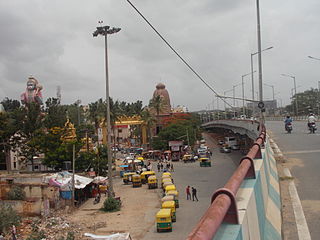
x: 295, y: 91
x: 104, y: 31
x: 242, y: 83
x: 252, y: 77
x: 259, y: 57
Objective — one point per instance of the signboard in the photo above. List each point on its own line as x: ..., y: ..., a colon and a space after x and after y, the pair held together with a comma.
x: 175, y: 148
x: 121, y: 126
x: 175, y: 143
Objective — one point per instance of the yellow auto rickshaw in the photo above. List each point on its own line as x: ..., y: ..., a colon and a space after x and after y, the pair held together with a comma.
x: 187, y: 158
x: 152, y: 182
x: 127, y: 177
x: 170, y: 205
x: 136, y: 180
x: 145, y: 175
x: 165, y: 184
x: 163, y: 220
x: 174, y: 193
x: 167, y: 198
x: 170, y: 188
x: 166, y: 174
x: 205, y: 162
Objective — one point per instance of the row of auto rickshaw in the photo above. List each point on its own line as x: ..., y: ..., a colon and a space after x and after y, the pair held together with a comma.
x: 204, y: 161
x: 169, y: 203
x: 146, y: 177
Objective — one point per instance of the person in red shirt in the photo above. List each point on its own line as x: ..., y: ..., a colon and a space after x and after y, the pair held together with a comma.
x: 188, y: 193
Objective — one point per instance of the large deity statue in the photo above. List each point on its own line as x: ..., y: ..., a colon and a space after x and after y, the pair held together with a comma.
x: 33, y: 92
x: 162, y: 93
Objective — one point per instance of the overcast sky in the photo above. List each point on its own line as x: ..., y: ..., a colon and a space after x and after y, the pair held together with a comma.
x: 52, y: 40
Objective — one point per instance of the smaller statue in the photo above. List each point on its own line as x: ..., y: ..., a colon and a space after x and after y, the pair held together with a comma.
x: 33, y: 92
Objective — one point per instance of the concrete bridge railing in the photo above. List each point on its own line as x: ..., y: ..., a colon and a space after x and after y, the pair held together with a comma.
x: 248, y: 206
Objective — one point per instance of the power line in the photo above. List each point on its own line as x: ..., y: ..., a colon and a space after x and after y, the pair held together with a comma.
x: 181, y: 58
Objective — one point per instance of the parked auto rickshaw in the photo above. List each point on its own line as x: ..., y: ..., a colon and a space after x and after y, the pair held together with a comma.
x: 165, y: 184
x: 136, y: 180
x: 152, y: 182
x: 166, y: 174
x: 145, y: 175
x: 205, y: 162
x: 167, y: 198
x: 174, y: 193
x: 170, y: 187
x: 127, y: 177
x: 170, y: 205
x: 163, y: 220
x: 187, y: 158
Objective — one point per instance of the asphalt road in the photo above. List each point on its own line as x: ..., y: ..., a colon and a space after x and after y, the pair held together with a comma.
x: 302, y: 151
x: 206, y: 180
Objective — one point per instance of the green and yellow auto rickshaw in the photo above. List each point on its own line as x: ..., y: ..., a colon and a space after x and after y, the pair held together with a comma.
x: 136, y: 180
x: 167, y: 198
x: 145, y: 175
x: 170, y: 188
x: 205, y: 162
x: 174, y: 193
x: 163, y: 220
x: 127, y: 177
x: 170, y: 205
x: 152, y: 182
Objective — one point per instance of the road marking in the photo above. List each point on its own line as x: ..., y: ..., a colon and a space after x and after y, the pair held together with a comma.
x: 303, y: 151
x: 302, y: 226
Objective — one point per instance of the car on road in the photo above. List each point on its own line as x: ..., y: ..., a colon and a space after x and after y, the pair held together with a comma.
x: 221, y: 142
x: 225, y: 149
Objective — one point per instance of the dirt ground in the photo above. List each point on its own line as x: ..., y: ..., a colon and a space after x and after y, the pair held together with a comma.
x: 136, y: 215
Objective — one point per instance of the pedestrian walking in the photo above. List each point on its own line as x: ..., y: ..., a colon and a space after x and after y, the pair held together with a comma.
x: 194, y: 194
x: 14, y: 232
x: 188, y: 193
x: 161, y: 166
x: 158, y: 166
x: 171, y: 168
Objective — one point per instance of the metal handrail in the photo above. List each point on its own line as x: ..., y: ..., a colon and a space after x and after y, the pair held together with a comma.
x: 223, y: 204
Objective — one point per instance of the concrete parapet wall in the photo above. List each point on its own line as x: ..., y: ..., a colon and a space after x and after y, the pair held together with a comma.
x: 258, y: 204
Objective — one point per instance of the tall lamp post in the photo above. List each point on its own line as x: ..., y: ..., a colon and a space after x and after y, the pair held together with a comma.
x: 273, y: 99
x: 104, y: 31
x: 252, y: 77
x: 242, y: 79
x: 295, y: 90
x: 318, y: 86
x: 234, y: 98
x: 225, y: 106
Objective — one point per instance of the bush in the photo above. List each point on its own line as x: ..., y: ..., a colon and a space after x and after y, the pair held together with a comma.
x: 111, y: 205
x: 8, y: 217
x: 16, y: 193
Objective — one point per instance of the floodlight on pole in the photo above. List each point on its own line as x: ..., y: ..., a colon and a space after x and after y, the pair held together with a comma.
x: 252, y: 77
x: 105, y: 31
x: 242, y: 78
x: 295, y: 90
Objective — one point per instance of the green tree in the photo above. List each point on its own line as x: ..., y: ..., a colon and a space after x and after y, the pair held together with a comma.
x: 27, y: 138
x: 55, y: 113
x: 8, y: 217
x: 186, y: 128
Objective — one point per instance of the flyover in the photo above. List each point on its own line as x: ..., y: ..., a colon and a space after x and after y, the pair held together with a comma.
x: 248, y: 207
